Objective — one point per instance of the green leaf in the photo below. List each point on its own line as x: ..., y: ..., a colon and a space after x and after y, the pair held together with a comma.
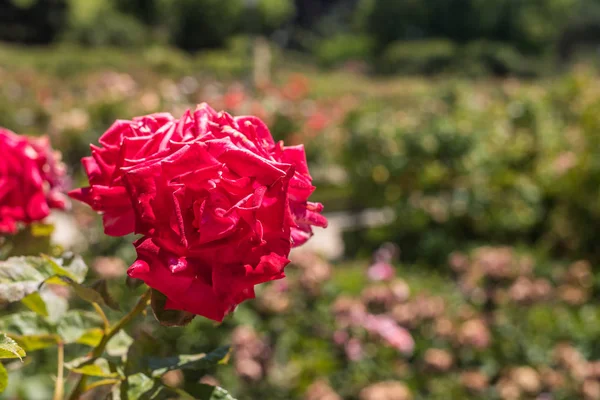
x: 5, y: 248
x: 143, y: 345
x: 168, y: 317
x: 21, y: 276
x: 74, y: 269
x: 75, y: 323
x: 37, y: 342
x: 97, y: 293
x: 140, y: 386
x: 119, y: 344
x: 56, y: 305
x: 201, y: 391
x: 91, y: 337
x: 25, y: 323
x: 3, y: 378
x: 35, y: 303
x: 86, y: 293
x: 102, y: 288
x: 30, y: 330
x: 160, y: 366
x: 10, y: 349
x: 99, y: 367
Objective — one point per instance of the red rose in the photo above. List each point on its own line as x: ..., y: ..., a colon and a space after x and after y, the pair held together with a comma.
x: 125, y: 141
x: 219, y: 203
x: 31, y: 177
x: 152, y: 137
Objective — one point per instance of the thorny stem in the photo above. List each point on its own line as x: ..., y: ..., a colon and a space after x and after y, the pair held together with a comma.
x: 59, y: 389
x: 98, y: 350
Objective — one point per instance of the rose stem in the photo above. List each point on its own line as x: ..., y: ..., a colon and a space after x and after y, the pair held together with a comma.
x: 97, y: 352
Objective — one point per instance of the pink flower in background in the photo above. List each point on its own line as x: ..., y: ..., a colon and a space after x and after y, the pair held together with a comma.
x: 381, y: 271
x: 31, y: 180
x: 354, y: 349
x: 393, y: 334
x: 382, y: 268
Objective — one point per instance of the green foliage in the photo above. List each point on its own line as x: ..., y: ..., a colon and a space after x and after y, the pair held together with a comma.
x: 339, y: 49
x: 196, y: 24
x: 119, y: 344
x: 75, y: 324
x: 414, y: 57
x: 10, y: 349
x: 97, y: 23
x: 531, y: 26
x: 488, y: 164
x: 266, y: 16
x: 389, y: 21
x: 31, y: 331
x: 146, y: 10
x: 3, y: 378
x: 96, y: 293
x: 99, y: 367
x: 143, y: 372
x: 128, y: 368
x: 34, y: 332
x: 22, y: 276
x: 476, y: 58
x: 490, y: 58
x: 207, y: 392
x: 35, y: 303
x: 275, y: 13
x: 160, y: 366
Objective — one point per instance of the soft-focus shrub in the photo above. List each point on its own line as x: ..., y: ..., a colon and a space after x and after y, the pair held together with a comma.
x: 493, y: 58
x: 272, y: 14
x: 389, y: 21
x: 94, y: 23
x: 339, y: 49
x: 511, y: 164
x: 196, y: 24
x: 532, y: 26
x: 32, y: 21
x: 419, y: 56
x: 146, y: 10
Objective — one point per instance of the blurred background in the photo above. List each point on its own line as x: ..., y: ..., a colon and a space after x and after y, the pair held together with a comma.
x: 455, y: 145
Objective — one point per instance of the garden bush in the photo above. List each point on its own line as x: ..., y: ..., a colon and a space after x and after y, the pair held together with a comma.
x: 417, y: 57
x: 196, y: 24
x: 495, y: 165
x: 98, y: 23
x: 340, y: 49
